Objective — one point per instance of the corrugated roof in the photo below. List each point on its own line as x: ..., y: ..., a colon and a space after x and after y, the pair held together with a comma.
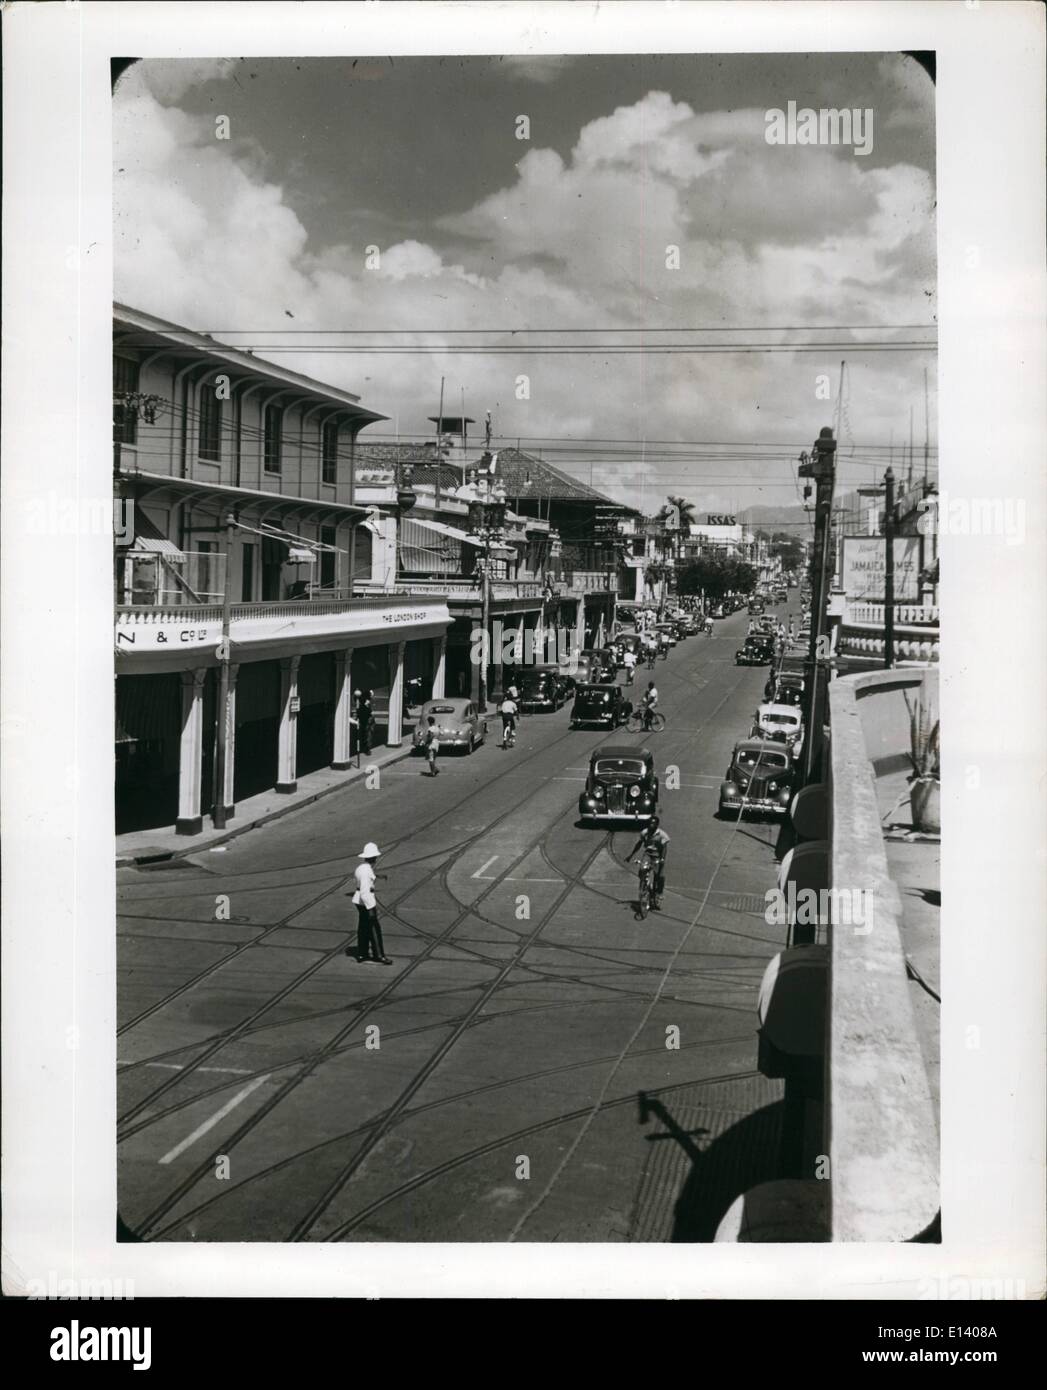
x: 515, y: 466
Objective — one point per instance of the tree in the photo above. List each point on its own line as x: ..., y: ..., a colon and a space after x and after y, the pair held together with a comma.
x: 716, y: 575
x: 684, y: 508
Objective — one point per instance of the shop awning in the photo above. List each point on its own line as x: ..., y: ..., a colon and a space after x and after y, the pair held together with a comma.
x: 442, y: 529
x: 149, y: 539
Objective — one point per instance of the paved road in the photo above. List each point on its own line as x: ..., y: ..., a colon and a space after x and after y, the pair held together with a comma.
x: 487, y: 1085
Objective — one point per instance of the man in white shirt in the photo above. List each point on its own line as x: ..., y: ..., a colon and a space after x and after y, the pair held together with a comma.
x: 629, y: 661
x: 368, y: 930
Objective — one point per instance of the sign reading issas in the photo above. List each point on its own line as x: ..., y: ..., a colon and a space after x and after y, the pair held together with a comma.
x: 719, y: 519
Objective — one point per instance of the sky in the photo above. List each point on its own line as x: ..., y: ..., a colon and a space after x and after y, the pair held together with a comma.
x: 268, y: 231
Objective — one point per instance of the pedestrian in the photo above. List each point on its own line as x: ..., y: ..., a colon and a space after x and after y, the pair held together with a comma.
x: 629, y: 661
x: 368, y: 929
x: 365, y: 719
x: 432, y: 747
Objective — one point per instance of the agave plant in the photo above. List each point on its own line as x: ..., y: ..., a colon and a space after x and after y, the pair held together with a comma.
x: 924, y: 738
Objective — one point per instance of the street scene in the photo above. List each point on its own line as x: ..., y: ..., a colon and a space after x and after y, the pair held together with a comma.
x: 526, y: 649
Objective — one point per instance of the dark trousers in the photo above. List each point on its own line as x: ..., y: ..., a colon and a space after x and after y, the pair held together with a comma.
x: 368, y: 934
x: 365, y: 736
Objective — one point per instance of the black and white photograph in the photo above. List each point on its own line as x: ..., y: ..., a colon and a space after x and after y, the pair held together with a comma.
x: 566, y: 426
x: 551, y: 438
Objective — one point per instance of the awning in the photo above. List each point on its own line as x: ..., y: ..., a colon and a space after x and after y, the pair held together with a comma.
x: 148, y: 538
x: 442, y: 529
x: 300, y: 555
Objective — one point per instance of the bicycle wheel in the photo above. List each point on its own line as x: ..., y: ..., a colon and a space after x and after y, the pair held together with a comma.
x: 643, y: 903
x: 657, y: 723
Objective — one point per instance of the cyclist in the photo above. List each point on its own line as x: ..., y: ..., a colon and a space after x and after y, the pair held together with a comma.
x: 649, y: 703
x: 629, y: 661
x: 507, y: 709
x: 655, y: 841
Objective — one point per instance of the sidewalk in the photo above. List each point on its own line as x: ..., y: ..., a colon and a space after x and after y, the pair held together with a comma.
x: 152, y: 846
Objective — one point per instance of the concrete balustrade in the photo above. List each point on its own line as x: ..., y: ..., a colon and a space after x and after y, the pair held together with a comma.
x: 882, y: 1135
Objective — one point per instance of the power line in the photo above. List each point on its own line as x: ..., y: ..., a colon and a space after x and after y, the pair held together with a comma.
x: 684, y: 328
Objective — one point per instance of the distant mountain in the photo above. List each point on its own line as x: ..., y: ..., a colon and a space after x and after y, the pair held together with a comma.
x: 792, y: 519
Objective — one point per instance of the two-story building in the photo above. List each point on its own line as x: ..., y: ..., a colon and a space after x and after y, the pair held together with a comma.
x: 237, y: 478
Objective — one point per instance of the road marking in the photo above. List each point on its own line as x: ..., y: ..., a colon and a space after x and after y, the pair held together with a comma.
x: 484, y: 867
x: 569, y: 779
x: 526, y: 878
x: 215, y: 1118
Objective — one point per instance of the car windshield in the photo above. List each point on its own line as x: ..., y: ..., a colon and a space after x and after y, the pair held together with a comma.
x: 780, y: 719
x: 749, y: 758
x: 618, y: 767
x: 442, y: 709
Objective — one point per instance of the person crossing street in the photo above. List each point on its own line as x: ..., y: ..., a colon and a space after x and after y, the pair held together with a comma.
x: 368, y: 928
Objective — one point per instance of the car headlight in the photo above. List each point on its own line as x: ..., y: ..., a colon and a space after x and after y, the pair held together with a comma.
x: 634, y: 792
x: 772, y: 787
x: 743, y: 782
x: 598, y: 791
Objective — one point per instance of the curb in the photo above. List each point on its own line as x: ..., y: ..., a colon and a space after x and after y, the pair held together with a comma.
x: 166, y: 855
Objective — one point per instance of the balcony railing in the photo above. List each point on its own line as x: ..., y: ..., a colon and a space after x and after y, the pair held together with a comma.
x: 905, y: 615
x: 289, y: 608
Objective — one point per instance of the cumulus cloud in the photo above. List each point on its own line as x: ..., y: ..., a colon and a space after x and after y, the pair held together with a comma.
x: 207, y: 235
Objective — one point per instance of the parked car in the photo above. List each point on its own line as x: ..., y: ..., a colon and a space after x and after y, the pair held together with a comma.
x: 669, y: 632
x: 717, y: 611
x: 789, y: 689
x: 459, y: 724
x: 600, y: 705
x: 612, y: 657
x: 621, y: 784
x: 543, y: 687
x: 760, y: 778
x: 592, y: 668
x: 781, y: 723
x: 631, y: 642
x: 757, y: 651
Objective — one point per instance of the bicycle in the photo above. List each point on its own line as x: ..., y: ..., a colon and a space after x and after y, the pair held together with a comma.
x: 509, y: 735
x: 645, y: 876
x: 646, y: 722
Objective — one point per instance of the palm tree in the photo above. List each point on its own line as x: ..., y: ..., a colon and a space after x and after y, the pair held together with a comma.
x: 683, y: 508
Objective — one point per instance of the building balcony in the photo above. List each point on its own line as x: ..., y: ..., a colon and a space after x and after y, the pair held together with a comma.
x: 916, y: 633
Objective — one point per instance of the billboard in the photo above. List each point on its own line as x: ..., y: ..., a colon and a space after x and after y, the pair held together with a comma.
x: 865, y: 568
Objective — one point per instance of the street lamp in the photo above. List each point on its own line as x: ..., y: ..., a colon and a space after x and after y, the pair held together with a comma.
x: 487, y: 523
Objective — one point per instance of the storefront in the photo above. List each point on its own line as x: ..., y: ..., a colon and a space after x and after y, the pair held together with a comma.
x: 292, y: 671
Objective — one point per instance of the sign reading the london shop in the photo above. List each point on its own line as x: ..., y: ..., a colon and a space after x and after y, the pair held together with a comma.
x: 865, y: 567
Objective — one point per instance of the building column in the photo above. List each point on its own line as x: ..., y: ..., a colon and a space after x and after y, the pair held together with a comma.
x: 287, y: 744
x: 343, y: 730
x: 394, y: 735
x: 190, y: 755
x: 230, y: 745
x: 579, y: 624
x: 439, y: 666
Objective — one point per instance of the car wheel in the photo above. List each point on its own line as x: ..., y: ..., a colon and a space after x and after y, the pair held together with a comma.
x: 472, y: 745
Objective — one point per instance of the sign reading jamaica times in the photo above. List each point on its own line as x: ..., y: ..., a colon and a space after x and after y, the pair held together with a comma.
x: 865, y: 568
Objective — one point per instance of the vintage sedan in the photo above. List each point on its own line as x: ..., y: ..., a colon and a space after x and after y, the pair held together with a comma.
x: 459, y: 724
x: 789, y: 689
x: 599, y: 706
x: 758, y: 651
x: 760, y: 778
x: 782, y: 723
x: 543, y: 687
x: 590, y: 668
x: 621, y: 785
x: 669, y: 630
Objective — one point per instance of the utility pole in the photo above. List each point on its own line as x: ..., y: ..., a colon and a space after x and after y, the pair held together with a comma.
x: 821, y: 466
x: 224, y: 657
x: 888, y: 577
